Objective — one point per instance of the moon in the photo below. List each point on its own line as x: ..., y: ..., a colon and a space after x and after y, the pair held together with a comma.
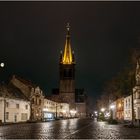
x: 2, y: 64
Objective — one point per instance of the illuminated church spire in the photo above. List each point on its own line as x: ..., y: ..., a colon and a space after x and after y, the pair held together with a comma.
x: 67, y: 56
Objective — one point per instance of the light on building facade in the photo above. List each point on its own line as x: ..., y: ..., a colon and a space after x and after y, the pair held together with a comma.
x: 107, y: 114
x: 73, y: 111
x: 64, y: 111
x: 119, y: 105
x: 45, y: 109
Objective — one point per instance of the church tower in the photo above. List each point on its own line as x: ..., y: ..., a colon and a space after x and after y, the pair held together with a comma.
x: 67, y: 73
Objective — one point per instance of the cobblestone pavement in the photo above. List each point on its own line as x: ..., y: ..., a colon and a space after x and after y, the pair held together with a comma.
x: 68, y: 129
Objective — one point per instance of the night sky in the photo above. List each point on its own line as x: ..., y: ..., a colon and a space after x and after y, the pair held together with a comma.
x: 33, y: 33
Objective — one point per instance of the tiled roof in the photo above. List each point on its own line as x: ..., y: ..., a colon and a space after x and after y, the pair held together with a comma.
x: 26, y: 82
x: 10, y: 91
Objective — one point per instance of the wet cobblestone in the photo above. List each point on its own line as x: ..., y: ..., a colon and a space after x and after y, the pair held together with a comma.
x: 68, y: 129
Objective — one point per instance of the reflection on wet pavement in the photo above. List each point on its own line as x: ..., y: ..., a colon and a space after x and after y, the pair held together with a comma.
x: 71, y: 128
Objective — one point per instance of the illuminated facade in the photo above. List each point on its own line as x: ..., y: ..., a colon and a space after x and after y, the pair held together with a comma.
x: 136, y: 93
x: 33, y: 93
x: 128, y: 108
x: 120, y: 109
x: 52, y: 110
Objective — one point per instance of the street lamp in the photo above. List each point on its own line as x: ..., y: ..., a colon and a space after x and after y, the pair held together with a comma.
x: 102, y: 114
x: 102, y: 109
x: 111, y: 109
x: 73, y: 112
x: 95, y: 112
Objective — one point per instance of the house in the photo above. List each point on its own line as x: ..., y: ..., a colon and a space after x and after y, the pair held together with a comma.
x: 14, y: 106
x: 128, y: 108
x: 120, y: 109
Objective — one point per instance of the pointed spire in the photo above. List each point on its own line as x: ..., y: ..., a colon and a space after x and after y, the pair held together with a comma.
x: 67, y: 56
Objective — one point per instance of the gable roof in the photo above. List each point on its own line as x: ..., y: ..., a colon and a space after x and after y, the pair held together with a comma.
x: 10, y: 91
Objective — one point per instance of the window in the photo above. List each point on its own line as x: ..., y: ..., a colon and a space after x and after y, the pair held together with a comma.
x: 7, y: 115
x: 67, y: 72
x: 26, y: 106
x: 129, y: 102
x: 17, y: 105
x: 126, y: 103
x: 134, y: 95
x: 24, y: 116
x: 7, y: 104
x: 138, y: 95
x: 33, y: 101
x: 39, y: 101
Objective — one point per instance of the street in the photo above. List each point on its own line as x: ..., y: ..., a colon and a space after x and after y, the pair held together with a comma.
x: 68, y: 129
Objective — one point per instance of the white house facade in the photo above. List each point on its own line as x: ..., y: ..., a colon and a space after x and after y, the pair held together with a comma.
x: 14, y: 110
x: 136, y: 96
x: 128, y: 108
x: 52, y: 110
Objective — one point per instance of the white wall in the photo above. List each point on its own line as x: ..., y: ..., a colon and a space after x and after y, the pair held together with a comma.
x: 136, y: 93
x: 15, y: 114
x: 1, y: 108
x: 128, y: 108
x: 51, y: 106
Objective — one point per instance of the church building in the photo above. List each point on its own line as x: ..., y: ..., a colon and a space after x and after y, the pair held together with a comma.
x: 67, y: 93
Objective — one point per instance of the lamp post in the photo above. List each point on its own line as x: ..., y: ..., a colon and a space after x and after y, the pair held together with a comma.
x: 102, y: 115
x: 111, y: 109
